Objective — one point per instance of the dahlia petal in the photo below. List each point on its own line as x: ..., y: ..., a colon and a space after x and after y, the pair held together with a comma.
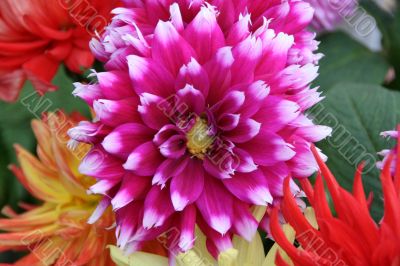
x: 192, y: 98
x: 184, y: 190
x: 246, y: 162
x: 219, y: 73
x: 174, y: 147
x: 103, y: 186
x: 250, y: 187
x: 169, y: 168
x: 88, y: 132
x: 125, y: 138
x: 87, y: 92
x: 255, y: 93
x: 148, y: 76
x: 240, y: 30
x: 101, y: 208
x: 245, y: 224
x: 219, y: 166
x: 275, y: 54
x: 245, y: 131
x: 144, y: 160
x: 275, y: 113
x: 228, y: 122
x: 299, y: 17
x: 247, y: 55
x: 314, y: 133
x: 194, y: 74
x: 152, y: 115
x: 132, y: 188
x: 277, y: 149
x: 216, y: 204
x: 115, y: 85
x: 165, y: 133
x: 188, y: 224
x: 170, y: 48
x: 176, y: 17
x: 204, y: 34
x: 230, y: 104
x: 100, y: 164
x: 11, y: 83
x: 157, y: 207
x: 115, y: 113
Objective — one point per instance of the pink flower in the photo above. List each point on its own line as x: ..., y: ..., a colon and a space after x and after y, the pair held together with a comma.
x: 330, y: 13
x: 200, y: 116
x: 394, y: 134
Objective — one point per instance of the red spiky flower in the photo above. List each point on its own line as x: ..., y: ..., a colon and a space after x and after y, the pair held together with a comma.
x: 351, y: 237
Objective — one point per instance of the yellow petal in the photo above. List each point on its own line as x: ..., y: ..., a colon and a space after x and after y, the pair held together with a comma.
x: 250, y: 254
x: 229, y: 258
x: 40, y: 181
x: 136, y: 259
x: 192, y: 257
x: 270, y: 258
x: 310, y: 216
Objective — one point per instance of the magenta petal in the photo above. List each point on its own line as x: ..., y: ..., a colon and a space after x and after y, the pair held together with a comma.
x: 246, y: 162
x: 244, y: 223
x: 184, y: 190
x: 132, y: 188
x: 174, y: 147
x: 87, y: 92
x: 125, y: 138
x: 169, y: 48
x: 88, y: 132
x: 204, y: 34
x: 144, y: 160
x: 268, y: 148
x: 192, y: 98
x: 157, y: 207
x: 216, y: 205
x: 275, y: 113
x: 151, y: 112
x: 115, y: 113
x: 275, y: 53
x: 219, y: 73
x: 148, y: 76
x: 115, y: 85
x: 250, y: 187
x: 230, y: 104
x: 247, y: 54
x: 228, y: 122
x: 100, y: 164
x: 245, y: 131
x: 103, y: 186
x: 188, y: 224
x: 169, y: 168
x: 219, y: 166
x: 165, y: 133
x: 255, y: 93
x: 194, y: 74
x: 101, y: 208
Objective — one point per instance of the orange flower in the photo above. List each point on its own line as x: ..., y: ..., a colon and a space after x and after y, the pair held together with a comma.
x: 351, y: 237
x: 56, y: 232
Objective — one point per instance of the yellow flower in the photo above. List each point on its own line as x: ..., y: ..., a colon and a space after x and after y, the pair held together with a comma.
x: 56, y: 232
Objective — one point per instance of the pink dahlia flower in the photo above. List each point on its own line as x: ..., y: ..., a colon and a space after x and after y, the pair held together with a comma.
x: 393, y: 152
x: 330, y: 13
x: 200, y: 116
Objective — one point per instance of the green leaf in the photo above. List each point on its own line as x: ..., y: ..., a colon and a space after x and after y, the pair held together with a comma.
x: 358, y: 113
x: 346, y: 60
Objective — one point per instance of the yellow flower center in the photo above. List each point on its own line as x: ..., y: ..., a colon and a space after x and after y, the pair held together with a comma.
x: 198, y: 138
